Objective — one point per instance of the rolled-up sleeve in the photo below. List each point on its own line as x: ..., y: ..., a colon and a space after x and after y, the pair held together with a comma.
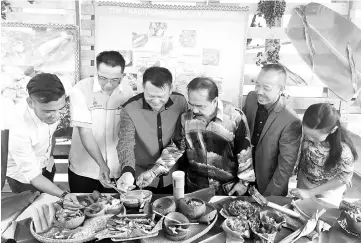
x: 21, y: 150
x: 79, y: 111
x: 346, y: 168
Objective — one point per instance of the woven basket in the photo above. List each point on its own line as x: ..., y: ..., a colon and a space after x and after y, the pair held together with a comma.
x: 49, y: 240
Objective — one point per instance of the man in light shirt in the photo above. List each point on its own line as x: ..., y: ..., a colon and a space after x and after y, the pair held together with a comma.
x: 30, y: 164
x: 95, y: 105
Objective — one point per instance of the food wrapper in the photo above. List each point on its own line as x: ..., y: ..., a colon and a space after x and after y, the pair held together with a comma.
x: 272, y: 219
x: 270, y: 223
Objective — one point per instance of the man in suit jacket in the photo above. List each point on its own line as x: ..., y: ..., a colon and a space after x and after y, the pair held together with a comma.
x: 275, y: 131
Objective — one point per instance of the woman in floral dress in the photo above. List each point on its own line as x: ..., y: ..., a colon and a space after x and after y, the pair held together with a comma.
x: 327, y: 156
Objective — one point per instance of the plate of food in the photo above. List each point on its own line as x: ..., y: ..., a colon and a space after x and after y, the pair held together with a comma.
x: 236, y: 228
x: 240, y: 208
x: 70, y: 227
x: 269, y: 224
x: 130, y: 227
x: 193, y: 208
x: 196, y: 217
x: 80, y: 225
x: 136, y: 198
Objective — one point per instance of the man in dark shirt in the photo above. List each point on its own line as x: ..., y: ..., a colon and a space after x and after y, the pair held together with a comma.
x: 148, y: 123
x: 275, y: 131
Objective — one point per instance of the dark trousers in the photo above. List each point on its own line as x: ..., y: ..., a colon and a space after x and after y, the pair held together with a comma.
x: 82, y: 184
x: 160, y: 190
x: 4, y: 155
x: 17, y: 186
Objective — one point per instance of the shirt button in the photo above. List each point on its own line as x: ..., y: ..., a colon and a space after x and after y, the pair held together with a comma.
x: 257, y: 134
x: 260, y: 122
x: 159, y: 127
x: 160, y: 140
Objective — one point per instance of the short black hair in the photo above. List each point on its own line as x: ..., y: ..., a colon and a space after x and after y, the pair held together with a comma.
x: 277, y: 68
x: 111, y: 58
x: 158, y: 76
x: 45, y: 87
x: 204, y: 83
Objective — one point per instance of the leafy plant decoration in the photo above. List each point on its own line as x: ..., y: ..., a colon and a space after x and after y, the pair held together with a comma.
x: 271, y: 10
x: 5, y: 7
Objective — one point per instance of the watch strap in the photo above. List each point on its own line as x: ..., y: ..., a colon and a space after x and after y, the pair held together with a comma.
x: 64, y: 194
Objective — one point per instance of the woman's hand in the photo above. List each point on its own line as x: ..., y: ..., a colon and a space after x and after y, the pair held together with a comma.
x: 301, y: 193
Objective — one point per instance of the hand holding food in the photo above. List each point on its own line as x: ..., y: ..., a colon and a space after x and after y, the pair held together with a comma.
x: 301, y: 193
x: 125, y: 182
x: 71, y: 202
x: 240, y: 188
x: 104, y: 175
x: 145, y: 179
x: 43, y: 217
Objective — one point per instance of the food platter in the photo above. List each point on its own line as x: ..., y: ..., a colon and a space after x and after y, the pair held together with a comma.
x: 86, y: 223
x: 246, y: 221
x: 89, y: 228
x: 130, y: 227
x: 196, y: 231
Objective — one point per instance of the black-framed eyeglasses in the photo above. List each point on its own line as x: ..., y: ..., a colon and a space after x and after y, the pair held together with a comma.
x: 114, y: 81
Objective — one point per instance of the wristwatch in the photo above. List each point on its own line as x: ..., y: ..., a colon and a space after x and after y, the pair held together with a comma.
x: 64, y: 195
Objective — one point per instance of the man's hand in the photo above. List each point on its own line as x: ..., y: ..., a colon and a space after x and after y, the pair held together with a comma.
x: 71, y: 202
x: 125, y: 182
x: 104, y: 175
x: 43, y: 217
x: 240, y: 188
x: 301, y: 193
x: 145, y: 179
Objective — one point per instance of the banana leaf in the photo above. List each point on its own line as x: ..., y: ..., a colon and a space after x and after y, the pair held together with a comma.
x: 331, y: 45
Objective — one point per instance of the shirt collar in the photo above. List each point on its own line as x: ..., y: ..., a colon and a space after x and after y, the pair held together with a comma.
x: 270, y: 108
x: 97, y: 87
x: 146, y: 106
x: 219, y: 114
x: 34, y: 117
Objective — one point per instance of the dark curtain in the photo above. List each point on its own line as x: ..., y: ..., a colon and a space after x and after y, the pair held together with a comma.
x: 4, y: 155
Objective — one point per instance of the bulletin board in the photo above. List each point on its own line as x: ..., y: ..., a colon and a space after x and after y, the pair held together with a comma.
x: 190, y: 41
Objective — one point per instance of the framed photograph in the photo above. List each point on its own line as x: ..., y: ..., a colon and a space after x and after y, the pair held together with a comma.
x: 29, y: 49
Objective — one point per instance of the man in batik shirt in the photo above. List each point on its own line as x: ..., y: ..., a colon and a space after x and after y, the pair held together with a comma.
x: 216, y: 139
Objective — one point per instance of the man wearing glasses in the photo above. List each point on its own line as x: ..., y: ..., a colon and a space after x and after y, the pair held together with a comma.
x: 95, y: 105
